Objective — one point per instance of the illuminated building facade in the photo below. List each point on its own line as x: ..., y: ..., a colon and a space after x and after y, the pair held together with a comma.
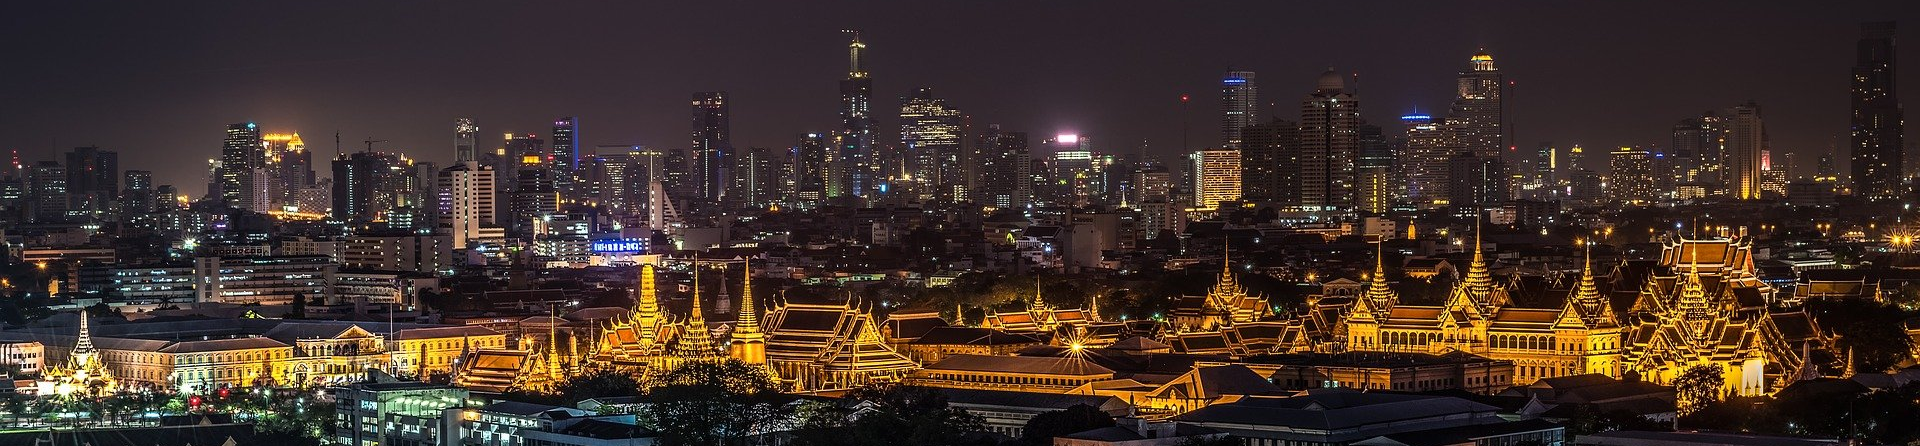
x: 468, y: 207
x: 1878, y: 122
x: 712, y: 145
x: 1216, y: 177
x: 1239, y: 106
x: 824, y: 346
x: 240, y: 154
x: 1746, y: 138
x: 1705, y: 305
x: 855, y: 169
x: 1225, y: 304
x: 1005, y: 169
x: 1329, y: 144
x: 930, y: 132
x: 1425, y: 161
x: 1632, y: 179
x: 1582, y: 336
x: 1269, y: 165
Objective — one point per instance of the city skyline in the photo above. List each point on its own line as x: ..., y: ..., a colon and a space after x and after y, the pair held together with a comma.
x: 415, y: 77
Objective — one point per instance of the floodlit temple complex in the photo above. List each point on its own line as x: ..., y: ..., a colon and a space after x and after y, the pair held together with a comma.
x: 1705, y: 305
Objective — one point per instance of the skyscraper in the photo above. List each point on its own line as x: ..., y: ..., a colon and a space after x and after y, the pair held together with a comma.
x: 47, y: 192
x: 467, y: 204
x: 1632, y: 176
x: 565, y: 154
x: 1329, y: 144
x: 93, y: 178
x: 930, y: 133
x: 1216, y: 177
x: 1878, y: 129
x: 465, y: 145
x: 1239, y: 106
x: 365, y: 185
x: 1476, y: 119
x: 807, y: 178
x: 1270, y: 163
x: 712, y: 140
x: 240, y: 154
x: 855, y: 169
x: 755, y: 176
x: 1005, y: 166
x: 1746, y: 137
x: 1426, y: 161
x: 1375, y: 182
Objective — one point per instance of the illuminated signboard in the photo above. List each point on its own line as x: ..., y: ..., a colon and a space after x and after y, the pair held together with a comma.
x: 620, y: 246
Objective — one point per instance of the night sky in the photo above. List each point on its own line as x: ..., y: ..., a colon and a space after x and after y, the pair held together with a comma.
x: 157, y: 81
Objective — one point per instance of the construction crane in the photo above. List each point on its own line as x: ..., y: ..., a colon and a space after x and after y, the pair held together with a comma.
x: 370, y: 142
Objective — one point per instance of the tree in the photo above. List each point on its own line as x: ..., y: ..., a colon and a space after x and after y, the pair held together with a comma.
x: 1698, y: 387
x: 889, y: 415
x: 598, y: 384
x: 101, y: 309
x: 712, y: 403
x: 1041, y: 429
x: 299, y: 307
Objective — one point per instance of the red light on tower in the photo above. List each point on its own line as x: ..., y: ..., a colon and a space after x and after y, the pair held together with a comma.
x: 1185, y: 98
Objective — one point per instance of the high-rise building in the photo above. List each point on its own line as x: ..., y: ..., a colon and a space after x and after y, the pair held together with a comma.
x: 465, y: 144
x: 366, y: 185
x: 930, y: 132
x: 1632, y: 176
x: 1216, y: 177
x: 1239, y: 106
x: 1879, y: 124
x: 1696, y: 149
x: 47, y: 192
x: 467, y: 205
x: 1426, y: 161
x: 565, y: 154
x: 240, y: 154
x: 1476, y: 119
x: 1375, y: 180
x: 1773, y: 177
x: 534, y: 196
x: 138, y: 195
x: 1473, y: 182
x: 807, y: 176
x: 1329, y: 144
x: 1270, y: 163
x: 1005, y: 169
x: 93, y: 179
x: 756, y: 176
x: 712, y: 142
x: 289, y: 169
x: 855, y: 171
x: 1746, y: 137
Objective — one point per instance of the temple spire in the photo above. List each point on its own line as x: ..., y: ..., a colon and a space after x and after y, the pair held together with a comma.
x: 749, y: 313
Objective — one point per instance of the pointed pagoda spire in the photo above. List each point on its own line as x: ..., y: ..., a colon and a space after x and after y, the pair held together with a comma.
x: 695, y: 341
x: 1478, y: 276
x: 749, y: 312
x: 1379, y: 297
x: 647, y: 306
x: 83, y: 355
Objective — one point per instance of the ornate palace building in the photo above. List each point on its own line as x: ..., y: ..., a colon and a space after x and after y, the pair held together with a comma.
x: 1582, y: 336
x: 1703, y: 305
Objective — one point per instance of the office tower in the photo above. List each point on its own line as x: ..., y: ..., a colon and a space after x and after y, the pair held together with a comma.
x: 467, y: 204
x: 1773, y: 177
x: 1746, y: 137
x: 47, y: 192
x: 1825, y: 170
x: 1476, y: 119
x: 137, y: 197
x: 1329, y: 144
x: 1546, y: 167
x: 1375, y: 188
x: 756, y: 176
x: 240, y: 154
x: 1473, y: 182
x: 534, y: 196
x: 930, y: 134
x: 1270, y: 163
x: 93, y: 178
x: 465, y: 142
x: 1689, y: 148
x: 506, y: 162
x: 1239, y: 107
x: 1068, y: 172
x: 1426, y: 161
x: 1005, y: 169
x: 1879, y: 127
x: 366, y: 186
x: 808, y: 176
x: 1632, y: 176
x: 565, y: 153
x: 1216, y: 177
x: 289, y: 168
x: 712, y: 140
x: 855, y: 169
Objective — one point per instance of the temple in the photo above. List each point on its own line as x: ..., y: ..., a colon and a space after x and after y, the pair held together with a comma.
x: 1704, y: 305
x: 84, y: 374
